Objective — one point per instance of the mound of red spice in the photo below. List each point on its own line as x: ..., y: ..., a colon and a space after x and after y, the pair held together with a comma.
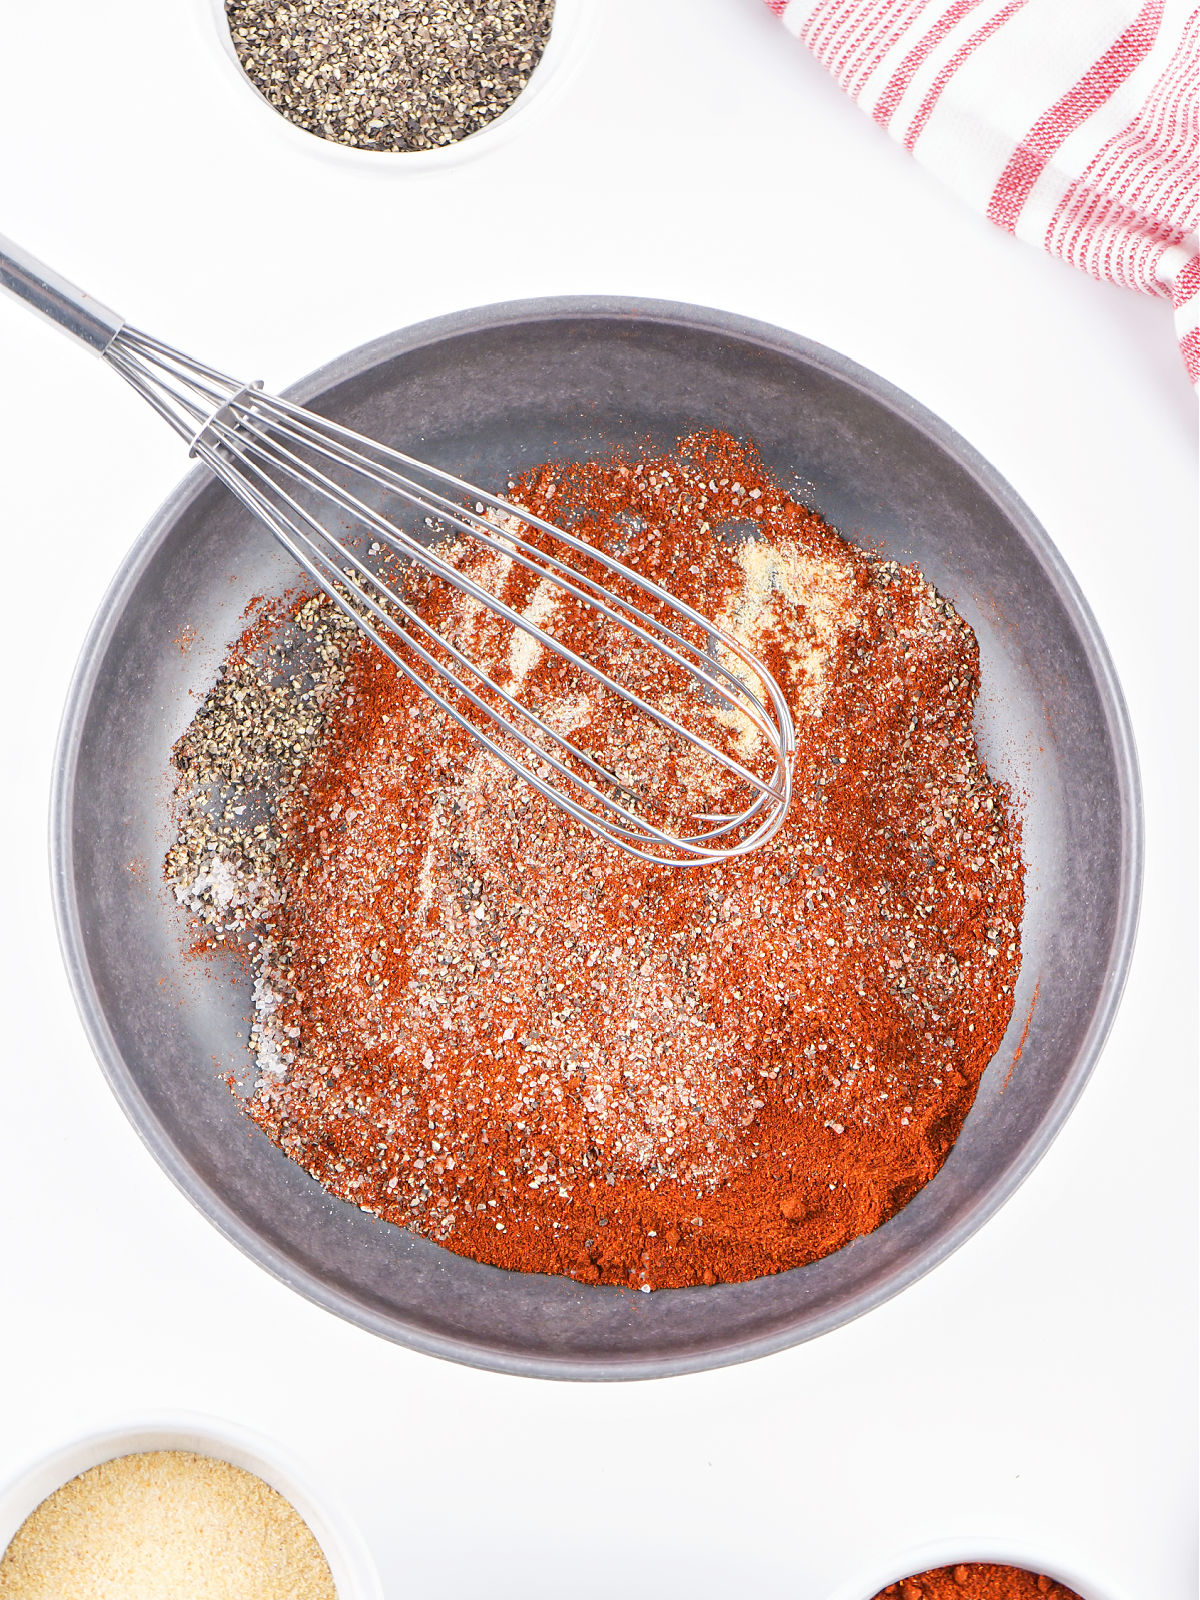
x: 977, y: 1580
x: 548, y: 1056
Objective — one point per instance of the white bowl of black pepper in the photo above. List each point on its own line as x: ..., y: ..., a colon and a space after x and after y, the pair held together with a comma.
x: 402, y: 88
x: 180, y: 1505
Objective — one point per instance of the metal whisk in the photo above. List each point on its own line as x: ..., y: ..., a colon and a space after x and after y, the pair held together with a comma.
x: 319, y: 487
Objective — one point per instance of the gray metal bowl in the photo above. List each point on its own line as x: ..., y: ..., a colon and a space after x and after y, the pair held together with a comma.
x: 484, y: 392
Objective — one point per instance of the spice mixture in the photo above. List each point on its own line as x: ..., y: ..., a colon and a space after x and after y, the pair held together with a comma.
x: 978, y: 1580
x: 390, y: 74
x: 477, y: 1021
x: 165, y: 1523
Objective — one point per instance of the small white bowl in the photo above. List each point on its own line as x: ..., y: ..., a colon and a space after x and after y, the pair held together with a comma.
x: 354, y: 1574
x: 1054, y: 1560
x: 573, y: 25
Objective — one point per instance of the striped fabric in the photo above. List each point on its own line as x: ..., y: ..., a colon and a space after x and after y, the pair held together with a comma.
x: 1070, y: 123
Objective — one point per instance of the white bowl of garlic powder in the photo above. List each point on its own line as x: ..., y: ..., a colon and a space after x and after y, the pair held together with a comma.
x: 137, y: 1502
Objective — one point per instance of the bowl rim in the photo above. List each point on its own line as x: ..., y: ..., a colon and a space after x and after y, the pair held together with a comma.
x: 354, y: 1573
x: 1054, y: 1556
x: 472, y: 1352
x: 572, y: 25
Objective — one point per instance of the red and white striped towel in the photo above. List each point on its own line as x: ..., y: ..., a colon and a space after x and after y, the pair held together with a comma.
x: 1070, y: 123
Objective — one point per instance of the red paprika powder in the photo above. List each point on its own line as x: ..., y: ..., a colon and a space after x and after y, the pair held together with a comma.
x: 977, y: 1580
x: 507, y: 1036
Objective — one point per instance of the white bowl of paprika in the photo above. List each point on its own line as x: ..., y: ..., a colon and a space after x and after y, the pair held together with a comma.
x: 933, y: 1570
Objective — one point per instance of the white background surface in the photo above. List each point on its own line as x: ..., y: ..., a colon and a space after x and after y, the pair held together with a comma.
x: 1039, y: 1385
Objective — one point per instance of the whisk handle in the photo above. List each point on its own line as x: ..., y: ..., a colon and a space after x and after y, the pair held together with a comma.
x: 75, y: 312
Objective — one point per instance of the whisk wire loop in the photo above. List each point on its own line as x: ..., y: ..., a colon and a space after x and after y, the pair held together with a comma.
x: 403, y: 544
x: 262, y: 448
x: 336, y: 582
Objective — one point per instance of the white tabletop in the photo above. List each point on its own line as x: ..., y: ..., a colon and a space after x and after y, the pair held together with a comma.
x: 1039, y: 1385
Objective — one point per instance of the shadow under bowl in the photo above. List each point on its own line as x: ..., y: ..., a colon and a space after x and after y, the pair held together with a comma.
x: 485, y: 393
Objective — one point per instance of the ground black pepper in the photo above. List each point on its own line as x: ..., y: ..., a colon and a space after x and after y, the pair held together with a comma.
x: 390, y: 74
